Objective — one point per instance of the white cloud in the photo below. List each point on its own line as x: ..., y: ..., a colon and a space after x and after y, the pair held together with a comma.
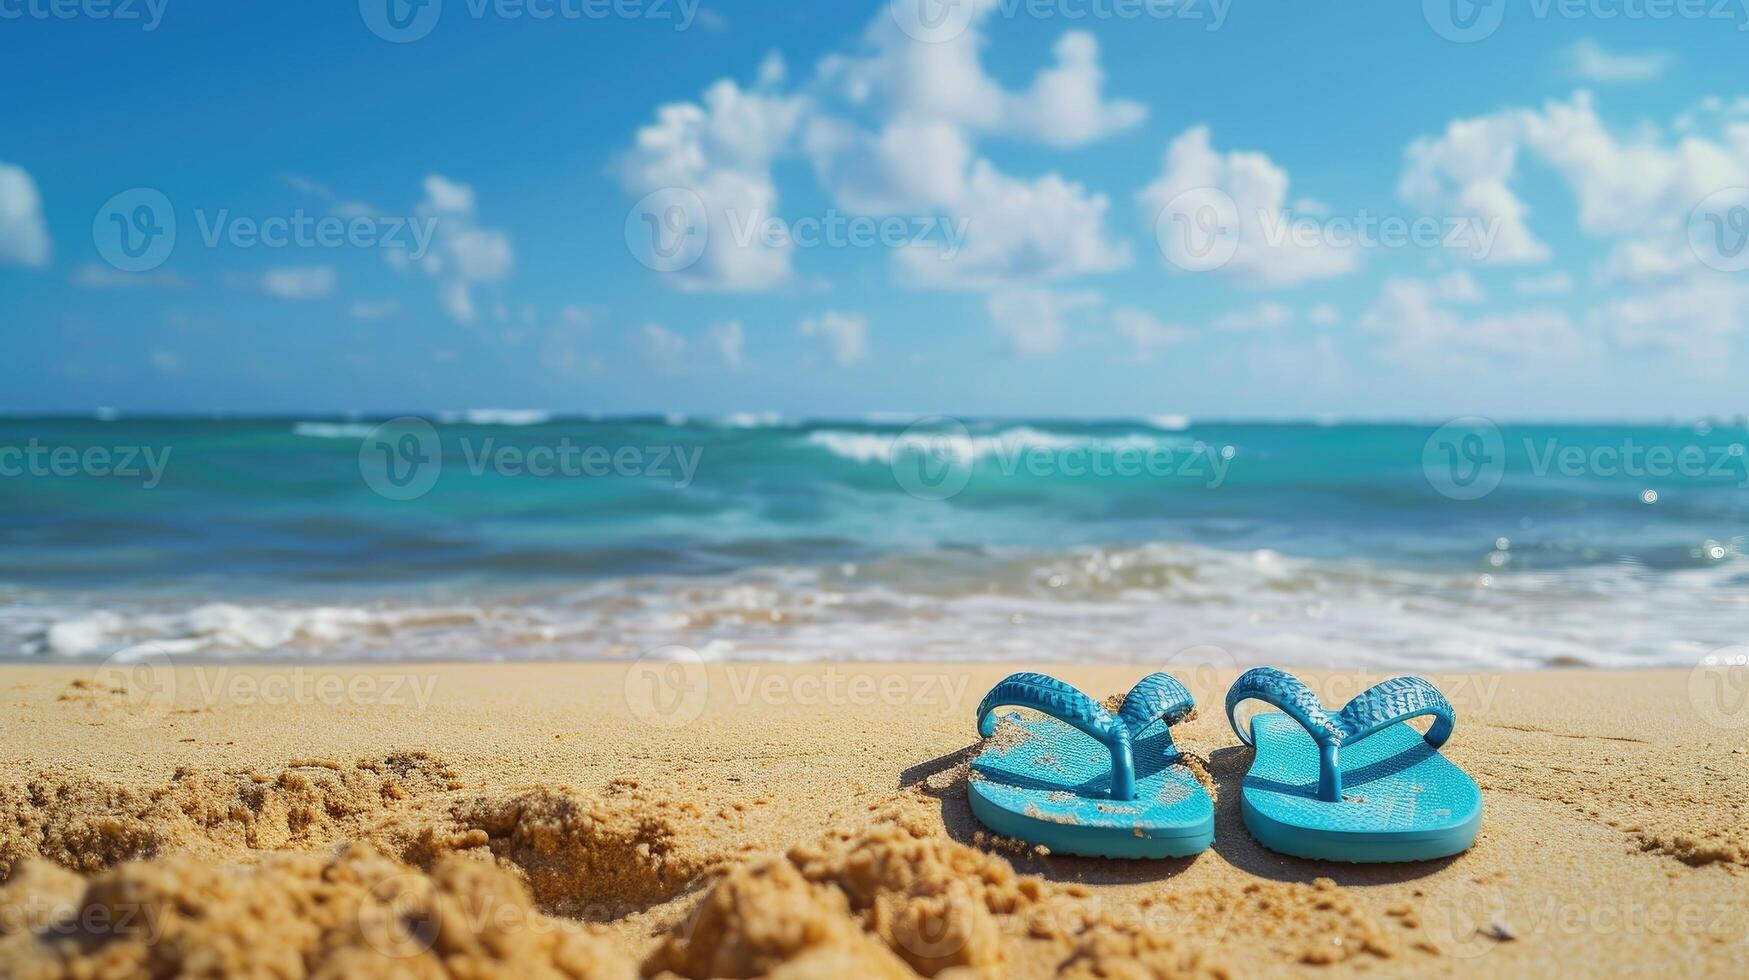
x: 890, y: 129
x: 1589, y: 61
x: 1264, y: 256
x: 1268, y: 315
x: 728, y: 341
x: 1065, y: 107
x: 299, y: 282
x: 1466, y: 172
x: 165, y: 361
x: 913, y: 163
x: 24, y: 236
x: 1636, y: 188
x: 306, y: 185
x: 1553, y: 284
x: 721, y: 150
x: 94, y: 276
x: 721, y: 348
x: 845, y: 335
x: 1145, y: 334
x: 463, y: 254
x: 1420, y: 328
x: 1324, y: 315
x: 1034, y: 321
x: 1018, y: 231
x: 662, y: 346
x: 1693, y: 321
x: 370, y: 311
x: 945, y: 80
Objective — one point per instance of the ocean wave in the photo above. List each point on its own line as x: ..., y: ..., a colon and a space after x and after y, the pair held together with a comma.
x: 751, y: 420
x: 332, y: 430
x: 1144, y: 603
x: 220, y: 627
x: 965, y: 447
x: 506, y: 416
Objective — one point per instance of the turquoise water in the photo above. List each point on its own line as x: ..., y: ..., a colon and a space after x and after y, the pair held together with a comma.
x: 499, y: 535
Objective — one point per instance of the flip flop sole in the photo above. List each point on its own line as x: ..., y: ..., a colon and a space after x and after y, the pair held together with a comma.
x: 1050, y: 787
x: 1402, y: 800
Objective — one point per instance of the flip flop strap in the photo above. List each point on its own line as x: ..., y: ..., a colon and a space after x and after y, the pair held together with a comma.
x: 1157, y: 695
x: 1398, y: 699
x: 1284, y: 691
x: 1041, y: 692
x: 1378, y: 707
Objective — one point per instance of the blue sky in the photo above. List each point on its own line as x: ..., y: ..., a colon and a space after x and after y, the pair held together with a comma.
x: 1573, y: 165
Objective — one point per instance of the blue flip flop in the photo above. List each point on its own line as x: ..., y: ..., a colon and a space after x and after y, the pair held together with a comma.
x: 1359, y: 784
x: 1081, y: 781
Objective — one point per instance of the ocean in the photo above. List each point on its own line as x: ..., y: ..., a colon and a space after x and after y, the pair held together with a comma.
x: 516, y: 536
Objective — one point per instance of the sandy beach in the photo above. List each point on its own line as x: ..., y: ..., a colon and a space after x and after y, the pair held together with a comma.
x: 747, y: 820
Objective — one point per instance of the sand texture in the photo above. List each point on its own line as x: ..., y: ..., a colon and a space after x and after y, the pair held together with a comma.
x: 683, y: 820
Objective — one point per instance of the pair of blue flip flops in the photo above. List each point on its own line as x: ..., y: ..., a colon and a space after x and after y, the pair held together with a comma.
x: 1358, y: 784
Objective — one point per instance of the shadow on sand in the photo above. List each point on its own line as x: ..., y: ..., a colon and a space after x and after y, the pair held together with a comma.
x: 944, y: 778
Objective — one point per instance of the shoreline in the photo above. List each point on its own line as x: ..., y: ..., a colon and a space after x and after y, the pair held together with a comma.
x: 671, y: 803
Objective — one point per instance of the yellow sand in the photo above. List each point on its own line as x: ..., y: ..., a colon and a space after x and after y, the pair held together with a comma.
x: 672, y: 819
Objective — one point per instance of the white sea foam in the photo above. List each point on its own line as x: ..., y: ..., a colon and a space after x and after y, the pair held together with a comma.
x: 879, y: 447
x: 331, y: 430
x: 506, y: 416
x: 1144, y: 604
x: 751, y: 420
x: 1170, y: 423
x: 221, y: 627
